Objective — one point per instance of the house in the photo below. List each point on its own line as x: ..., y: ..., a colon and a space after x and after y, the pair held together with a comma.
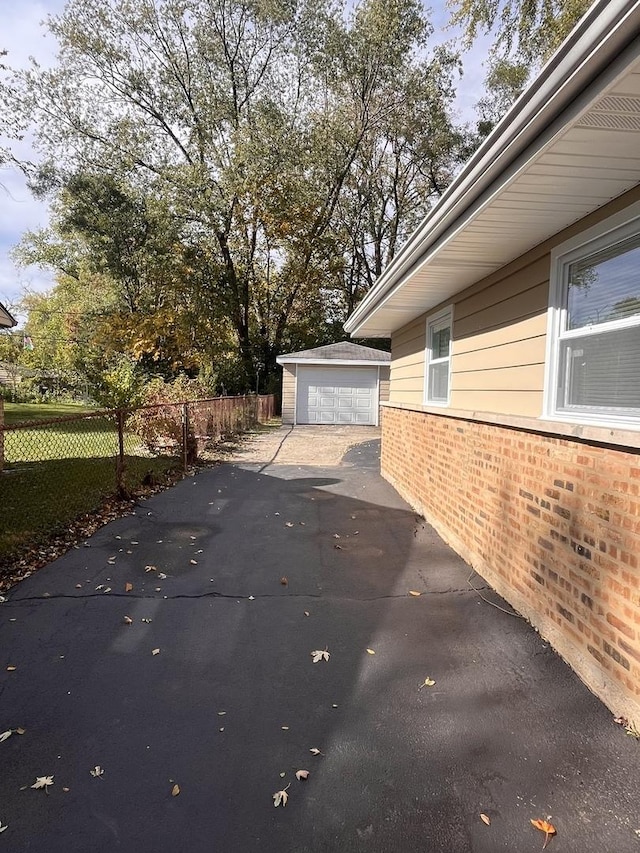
x: 6, y: 320
x: 513, y: 421
x: 341, y: 383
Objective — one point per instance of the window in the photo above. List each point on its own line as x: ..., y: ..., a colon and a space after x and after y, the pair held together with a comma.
x: 594, y: 325
x: 438, y: 357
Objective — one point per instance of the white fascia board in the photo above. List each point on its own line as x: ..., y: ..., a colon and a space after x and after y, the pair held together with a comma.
x: 597, y: 40
x: 332, y: 362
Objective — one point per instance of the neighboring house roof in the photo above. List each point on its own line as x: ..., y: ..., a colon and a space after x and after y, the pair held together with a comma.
x: 6, y: 320
x: 569, y: 144
x: 338, y: 354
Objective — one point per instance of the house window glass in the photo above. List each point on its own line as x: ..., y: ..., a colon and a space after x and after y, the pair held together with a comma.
x: 597, y: 360
x: 438, y: 358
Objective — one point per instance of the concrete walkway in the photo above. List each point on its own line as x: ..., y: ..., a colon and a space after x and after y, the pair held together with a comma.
x: 236, y: 575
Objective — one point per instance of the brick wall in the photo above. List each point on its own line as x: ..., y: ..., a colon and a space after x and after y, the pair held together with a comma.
x: 552, y: 524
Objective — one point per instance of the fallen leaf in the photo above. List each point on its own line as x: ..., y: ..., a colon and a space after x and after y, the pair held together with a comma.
x: 162, y: 576
x: 302, y: 774
x: 221, y: 713
x: 428, y: 682
x: 546, y: 827
x: 155, y: 651
x: 336, y: 535
x: 485, y: 819
x: 78, y: 586
x: 150, y: 569
x: 127, y: 620
x: 11, y: 669
x: 285, y: 728
x: 66, y: 790
x: 284, y: 581
x: 414, y: 592
x: 97, y: 771
x: 306, y: 613
x: 319, y: 655
x: 128, y: 587
x: 288, y: 524
x: 3, y: 826
x: 147, y: 621
x: 193, y: 562
x: 315, y: 751
x: 107, y: 589
x: 6, y: 735
x: 282, y: 775
x: 338, y: 547
x: 20, y: 730
x: 43, y: 782
x: 175, y: 790
x: 281, y: 797
x: 370, y: 652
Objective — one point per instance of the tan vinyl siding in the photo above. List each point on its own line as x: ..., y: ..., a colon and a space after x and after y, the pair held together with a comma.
x: 499, y: 334
x: 407, y: 363
x: 385, y: 382
x: 288, y: 393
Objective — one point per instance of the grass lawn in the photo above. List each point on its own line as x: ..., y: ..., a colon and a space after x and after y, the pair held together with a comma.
x: 55, y: 473
x: 17, y: 412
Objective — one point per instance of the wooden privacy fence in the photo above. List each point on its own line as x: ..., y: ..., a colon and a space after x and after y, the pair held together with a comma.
x: 52, y: 471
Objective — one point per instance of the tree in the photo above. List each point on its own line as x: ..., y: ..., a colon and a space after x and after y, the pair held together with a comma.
x: 257, y: 129
x: 530, y: 29
x: 504, y: 83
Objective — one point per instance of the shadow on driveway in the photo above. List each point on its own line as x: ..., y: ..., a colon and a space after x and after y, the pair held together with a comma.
x: 232, y: 704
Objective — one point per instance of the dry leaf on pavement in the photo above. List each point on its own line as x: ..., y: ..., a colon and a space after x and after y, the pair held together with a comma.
x: 97, y: 771
x: 43, y: 782
x: 315, y: 751
x: 155, y: 651
x: 428, y: 682
x: 319, y: 655
x: 284, y: 581
x: 370, y: 652
x: 128, y: 587
x: 150, y: 569
x: 20, y: 730
x: 3, y: 826
x: 281, y: 797
x: 302, y: 774
x: 11, y: 669
x: 127, y: 620
x: 546, y: 827
x: 414, y: 592
x: 485, y: 818
x: 175, y: 790
x: 306, y: 613
x: 6, y: 735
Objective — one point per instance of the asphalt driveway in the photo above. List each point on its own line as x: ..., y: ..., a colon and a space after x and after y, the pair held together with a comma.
x: 235, y: 576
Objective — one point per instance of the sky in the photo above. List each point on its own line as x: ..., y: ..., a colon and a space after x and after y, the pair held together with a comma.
x: 23, y: 35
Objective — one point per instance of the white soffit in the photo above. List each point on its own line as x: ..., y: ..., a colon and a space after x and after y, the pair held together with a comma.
x: 588, y: 161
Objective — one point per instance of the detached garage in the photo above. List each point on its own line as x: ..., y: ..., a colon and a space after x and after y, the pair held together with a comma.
x: 336, y: 384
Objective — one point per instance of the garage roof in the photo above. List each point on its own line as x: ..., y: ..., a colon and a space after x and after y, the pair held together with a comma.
x: 567, y: 146
x: 341, y: 353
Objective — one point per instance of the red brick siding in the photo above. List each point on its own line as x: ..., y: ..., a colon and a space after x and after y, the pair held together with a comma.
x: 553, y: 524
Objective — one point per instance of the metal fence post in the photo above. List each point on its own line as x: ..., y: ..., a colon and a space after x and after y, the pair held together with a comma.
x: 185, y: 436
x: 120, y: 459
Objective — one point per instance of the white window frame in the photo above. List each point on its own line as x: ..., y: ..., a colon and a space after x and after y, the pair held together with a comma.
x: 441, y: 319
x: 604, y: 235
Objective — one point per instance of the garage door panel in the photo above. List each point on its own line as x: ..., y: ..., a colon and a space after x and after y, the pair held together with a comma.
x: 327, y: 395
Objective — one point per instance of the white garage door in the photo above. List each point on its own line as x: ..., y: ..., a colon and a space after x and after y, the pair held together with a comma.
x: 337, y: 395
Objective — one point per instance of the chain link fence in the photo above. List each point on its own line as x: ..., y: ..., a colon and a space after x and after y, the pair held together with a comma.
x: 53, y: 471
